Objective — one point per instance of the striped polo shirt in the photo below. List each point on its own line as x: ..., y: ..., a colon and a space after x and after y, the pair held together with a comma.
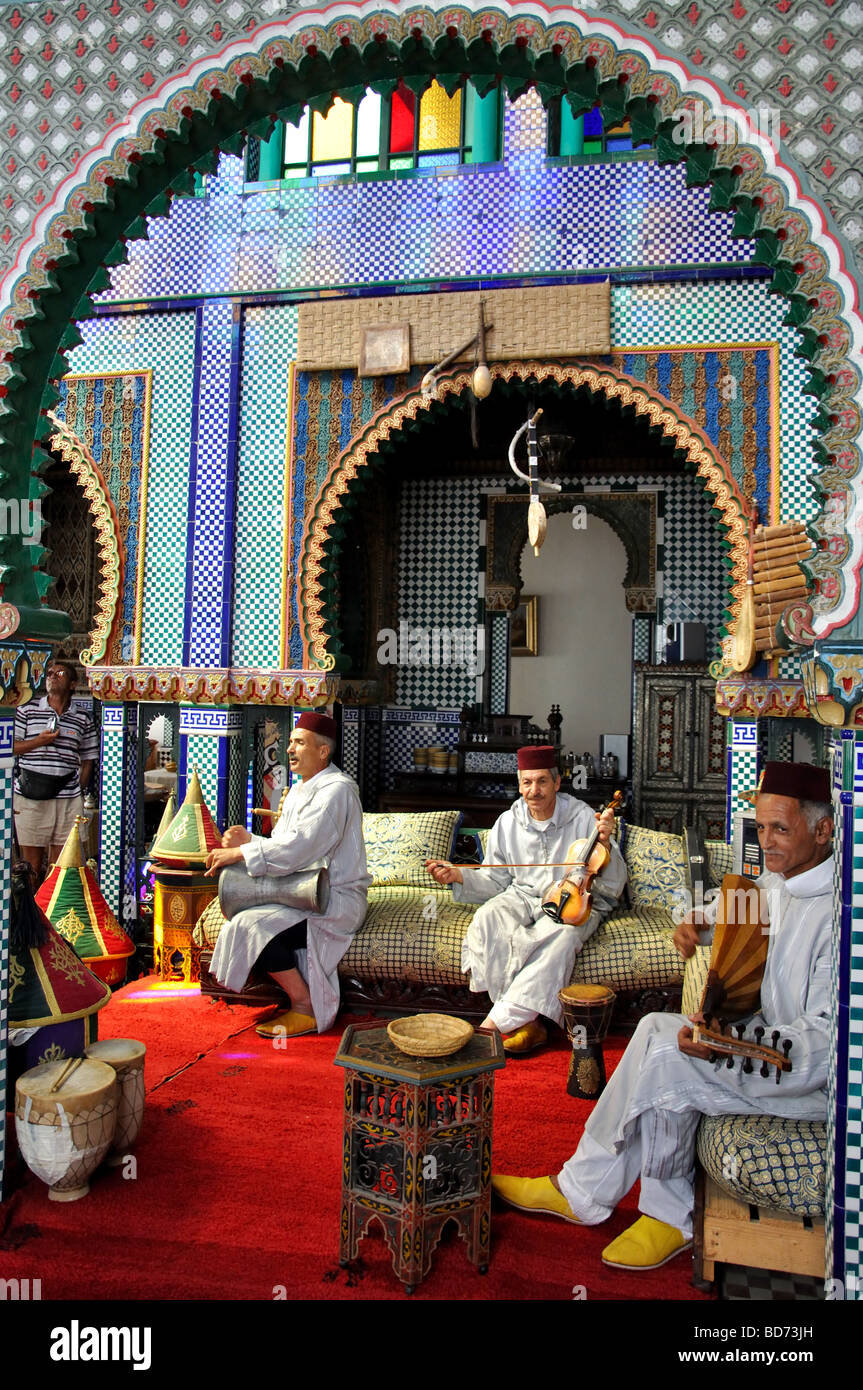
x: 76, y: 743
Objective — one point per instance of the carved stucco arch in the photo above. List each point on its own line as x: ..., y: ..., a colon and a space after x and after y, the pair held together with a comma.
x: 700, y: 454
x: 109, y: 545
x: 307, y: 57
x: 504, y: 578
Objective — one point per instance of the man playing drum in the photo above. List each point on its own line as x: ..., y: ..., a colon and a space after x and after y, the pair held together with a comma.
x: 645, y: 1120
x: 321, y: 821
x: 512, y: 949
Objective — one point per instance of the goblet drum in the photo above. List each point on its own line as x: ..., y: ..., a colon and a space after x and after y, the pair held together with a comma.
x: 64, y: 1135
x: 587, y: 1011
x: 126, y: 1056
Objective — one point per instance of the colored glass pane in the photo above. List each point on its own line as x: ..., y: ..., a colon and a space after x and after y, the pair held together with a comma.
x: 369, y: 126
x: 592, y: 125
x: 434, y: 161
x: 440, y: 119
x: 402, y: 120
x: 331, y: 134
x: 297, y: 141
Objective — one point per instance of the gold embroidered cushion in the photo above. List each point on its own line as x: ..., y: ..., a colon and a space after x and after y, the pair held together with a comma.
x: 399, y: 843
x: 656, y: 867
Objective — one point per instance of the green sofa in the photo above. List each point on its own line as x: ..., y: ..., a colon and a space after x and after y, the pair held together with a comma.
x: 406, y: 956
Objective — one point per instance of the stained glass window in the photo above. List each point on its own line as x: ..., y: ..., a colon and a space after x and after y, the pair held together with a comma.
x: 590, y: 136
x: 402, y: 131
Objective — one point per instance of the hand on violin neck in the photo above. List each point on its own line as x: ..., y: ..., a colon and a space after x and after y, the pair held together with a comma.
x: 605, y: 821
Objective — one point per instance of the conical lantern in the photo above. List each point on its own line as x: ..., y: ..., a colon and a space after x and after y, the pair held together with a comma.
x: 48, y: 984
x: 72, y: 901
x: 167, y: 816
x: 191, y: 834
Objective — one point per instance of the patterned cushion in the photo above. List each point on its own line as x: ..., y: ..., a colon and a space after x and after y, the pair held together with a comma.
x: 209, y: 924
x: 766, y: 1161
x: 694, y: 979
x: 719, y: 860
x: 631, y: 949
x: 417, y: 940
x: 398, y: 844
x: 656, y: 867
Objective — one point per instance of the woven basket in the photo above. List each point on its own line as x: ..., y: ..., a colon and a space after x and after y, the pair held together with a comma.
x: 429, y: 1035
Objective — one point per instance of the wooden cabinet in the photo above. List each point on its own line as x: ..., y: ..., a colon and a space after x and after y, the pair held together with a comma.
x: 679, y: 751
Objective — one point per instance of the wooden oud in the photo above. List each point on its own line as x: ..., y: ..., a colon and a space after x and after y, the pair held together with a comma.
x: 739, y: 953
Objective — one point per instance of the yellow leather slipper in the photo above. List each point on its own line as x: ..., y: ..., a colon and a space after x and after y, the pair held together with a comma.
x: 533, y: 1194
x: 287, y: 1025
x: 646, y: 1245
x: 526, y: 1039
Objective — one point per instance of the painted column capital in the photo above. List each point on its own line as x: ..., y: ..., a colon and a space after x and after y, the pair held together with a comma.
x: 833, y: 683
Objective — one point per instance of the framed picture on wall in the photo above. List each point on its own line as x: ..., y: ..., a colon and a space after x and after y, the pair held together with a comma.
x: 524, y: 627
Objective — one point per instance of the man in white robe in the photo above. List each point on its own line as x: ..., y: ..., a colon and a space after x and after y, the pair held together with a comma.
x: 513, y: 950
x: 645, y: 1120
x: 321, y: 824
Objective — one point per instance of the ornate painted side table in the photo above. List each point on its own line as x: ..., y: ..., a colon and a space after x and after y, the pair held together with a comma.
x: 417, y: 1147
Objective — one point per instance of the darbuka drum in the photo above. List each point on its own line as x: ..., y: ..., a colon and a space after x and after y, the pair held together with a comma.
x: 64, y: 1136
x: 126, y: 1056
x: 587, y: 1011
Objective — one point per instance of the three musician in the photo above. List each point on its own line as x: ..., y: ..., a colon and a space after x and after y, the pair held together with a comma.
x: 513, y: 950
x: 644, y: 1123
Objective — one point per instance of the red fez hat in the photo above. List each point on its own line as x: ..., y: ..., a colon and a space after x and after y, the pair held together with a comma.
x: 801, y: 780
x: 536, y: 757
x: 318, y: 724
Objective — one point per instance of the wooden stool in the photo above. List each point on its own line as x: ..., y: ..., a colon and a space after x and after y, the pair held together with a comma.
x: 728, y: 1231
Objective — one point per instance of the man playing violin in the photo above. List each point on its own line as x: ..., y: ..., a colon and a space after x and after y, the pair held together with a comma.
x: 512, y: 950
x: 644, y: 1122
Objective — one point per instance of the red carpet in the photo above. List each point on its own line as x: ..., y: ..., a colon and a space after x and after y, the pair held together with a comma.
x: 238, y: 1181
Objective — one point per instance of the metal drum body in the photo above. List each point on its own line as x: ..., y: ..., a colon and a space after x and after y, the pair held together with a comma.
x: 588, y: 1009
x: 126, y: 1057
x: 64, y: 1136
x: 308, y: 891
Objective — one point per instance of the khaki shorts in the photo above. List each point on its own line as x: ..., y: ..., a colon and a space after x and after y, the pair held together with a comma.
x: 40, y: 824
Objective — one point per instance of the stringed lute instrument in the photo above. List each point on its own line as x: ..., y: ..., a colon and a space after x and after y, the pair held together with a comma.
x: 733, y: 987
x: 723, y: 1043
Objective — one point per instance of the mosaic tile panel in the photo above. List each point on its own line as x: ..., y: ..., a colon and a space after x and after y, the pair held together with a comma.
x: 370, y: 757
x: 165, y: 343
x: 499, y: 661
x: 6, y: 732
x: 439, y: 531
x: 212, y: 490
x: 642, y: 315
x: 524, y: 218
x: 238, y: 778
x: 116, y: 801
x: 742, y: 766
x: 350, y: 750
x: 205, y: 733
x: 269, y: 346
x: 845, y: 1082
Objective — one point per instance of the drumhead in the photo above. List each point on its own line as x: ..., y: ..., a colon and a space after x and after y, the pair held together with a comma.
x: 117, y: 1051
x: 585, y: 994
x: 83, y: 1088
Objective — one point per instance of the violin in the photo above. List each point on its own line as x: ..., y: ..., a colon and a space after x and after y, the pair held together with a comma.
x: 569, y: 901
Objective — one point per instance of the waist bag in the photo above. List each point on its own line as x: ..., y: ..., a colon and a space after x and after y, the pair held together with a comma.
x: 41, y: 786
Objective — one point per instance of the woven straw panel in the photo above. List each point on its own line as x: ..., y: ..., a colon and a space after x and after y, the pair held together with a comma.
x: 558, y: 321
